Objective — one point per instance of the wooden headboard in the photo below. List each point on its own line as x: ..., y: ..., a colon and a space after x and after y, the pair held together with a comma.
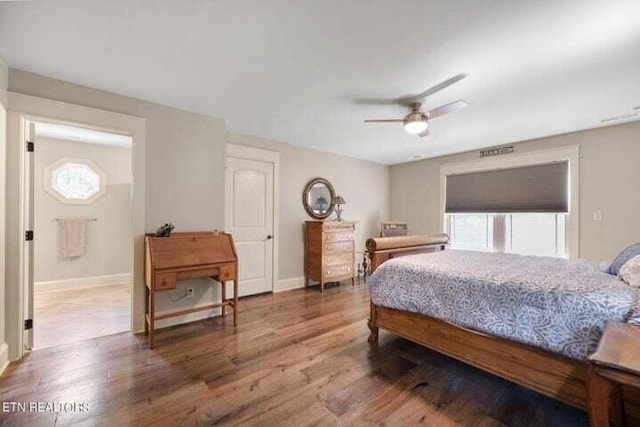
x: 381, y: 249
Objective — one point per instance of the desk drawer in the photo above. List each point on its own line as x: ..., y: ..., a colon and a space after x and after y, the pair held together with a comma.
x: 164, y: 281
x: 227, y: 272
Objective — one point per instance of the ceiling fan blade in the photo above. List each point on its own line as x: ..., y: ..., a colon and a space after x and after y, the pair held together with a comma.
x: 408, y: 100
x: 423, y: 134
x: 446, y: 109
x: 377, y: 101
x: 384, y: 121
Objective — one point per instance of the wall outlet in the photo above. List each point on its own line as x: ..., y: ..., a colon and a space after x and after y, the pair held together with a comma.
x: 597, y: 215
x: 189, y: 293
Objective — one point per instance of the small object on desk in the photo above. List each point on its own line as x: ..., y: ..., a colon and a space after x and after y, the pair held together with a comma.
x: 185, y: 256
x: 165, y: 230
x: 615, y: 363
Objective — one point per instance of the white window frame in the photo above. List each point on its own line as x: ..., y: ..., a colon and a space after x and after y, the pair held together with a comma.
x: 59, y: 164
x: 570, y: 154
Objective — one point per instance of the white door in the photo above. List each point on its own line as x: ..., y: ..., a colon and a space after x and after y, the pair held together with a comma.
x: 28, y: 214
x: 249, y: 218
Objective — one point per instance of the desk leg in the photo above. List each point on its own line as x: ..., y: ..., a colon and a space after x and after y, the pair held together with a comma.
x: 235, y: 302
x: 152, y: 314
x: 600, y: 392
x: 224, y: 296
x: 146, y: 310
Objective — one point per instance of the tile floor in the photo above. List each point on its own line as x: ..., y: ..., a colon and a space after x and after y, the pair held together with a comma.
x: 67, y: 316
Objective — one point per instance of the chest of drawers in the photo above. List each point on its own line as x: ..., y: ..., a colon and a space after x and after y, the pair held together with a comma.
x: 329, y: 252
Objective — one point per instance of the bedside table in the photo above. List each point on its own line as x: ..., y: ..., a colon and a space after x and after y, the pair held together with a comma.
x: 616, y: 362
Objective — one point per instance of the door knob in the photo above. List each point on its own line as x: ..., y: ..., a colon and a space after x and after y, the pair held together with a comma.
x: 269, y: 237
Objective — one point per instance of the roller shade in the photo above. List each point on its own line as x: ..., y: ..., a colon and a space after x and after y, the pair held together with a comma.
x: 539, y: 188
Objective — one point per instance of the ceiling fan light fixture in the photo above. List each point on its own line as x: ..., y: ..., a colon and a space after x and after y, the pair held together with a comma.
x: 416, y: 126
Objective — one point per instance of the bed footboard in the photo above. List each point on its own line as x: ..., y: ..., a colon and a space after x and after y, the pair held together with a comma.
x: 380, y: 249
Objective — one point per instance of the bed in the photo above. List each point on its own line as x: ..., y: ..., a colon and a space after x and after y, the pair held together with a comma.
x: 530, y: 320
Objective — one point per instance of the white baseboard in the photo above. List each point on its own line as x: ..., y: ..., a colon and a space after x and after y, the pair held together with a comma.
x: 282, y: 285
x: 4, y: 357
x: 83, y: 282
x: 289, y: 284
x: 191, y: 317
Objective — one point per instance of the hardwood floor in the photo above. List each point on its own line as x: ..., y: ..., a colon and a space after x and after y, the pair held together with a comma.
x: 67, y: 316
x: 296, y: 358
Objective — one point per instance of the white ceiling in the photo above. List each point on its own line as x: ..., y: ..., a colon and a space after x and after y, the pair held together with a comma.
x: 290, y: 70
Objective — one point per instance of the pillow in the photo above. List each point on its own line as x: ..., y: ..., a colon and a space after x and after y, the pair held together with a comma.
x: 624, y: 256
x: 630, y: 272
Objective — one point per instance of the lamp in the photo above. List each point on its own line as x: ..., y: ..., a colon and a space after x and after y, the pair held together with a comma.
x: 415, y: 125
x: 338, y: 201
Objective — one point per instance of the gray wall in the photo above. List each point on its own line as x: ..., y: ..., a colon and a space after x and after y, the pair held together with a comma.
x: 184, y: 159
x: 364, y: 186
x: 185, y: 176
x: 4, y: 82
x: 108, y: 240
x: 609, y: 177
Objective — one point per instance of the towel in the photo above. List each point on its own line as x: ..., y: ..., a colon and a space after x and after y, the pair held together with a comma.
x: 73, y: 237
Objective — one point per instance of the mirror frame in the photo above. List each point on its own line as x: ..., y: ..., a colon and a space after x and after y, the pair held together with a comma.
x: 305, y: 196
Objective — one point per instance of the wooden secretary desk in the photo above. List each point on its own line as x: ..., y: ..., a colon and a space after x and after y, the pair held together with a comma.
x: 188, y: 256
x: 329, y: 254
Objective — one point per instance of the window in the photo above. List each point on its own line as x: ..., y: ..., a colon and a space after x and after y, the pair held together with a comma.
x: 521, y: 203
x: 540, y: 234
x: 474, y: 232
x: 535, y: 234
x: 75, y: 181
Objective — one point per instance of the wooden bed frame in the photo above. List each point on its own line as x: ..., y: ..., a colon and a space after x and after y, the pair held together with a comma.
x: 555, y: 376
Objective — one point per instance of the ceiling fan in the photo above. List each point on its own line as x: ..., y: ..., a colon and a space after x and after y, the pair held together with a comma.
x: 417, y: 121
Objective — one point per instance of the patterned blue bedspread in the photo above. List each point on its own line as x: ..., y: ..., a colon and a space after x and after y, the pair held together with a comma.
x: 555, y: 304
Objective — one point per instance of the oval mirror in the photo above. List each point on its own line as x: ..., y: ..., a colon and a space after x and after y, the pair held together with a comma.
x: 316, y: 198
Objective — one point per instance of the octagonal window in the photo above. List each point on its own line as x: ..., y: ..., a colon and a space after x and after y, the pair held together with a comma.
x: 75, y: 181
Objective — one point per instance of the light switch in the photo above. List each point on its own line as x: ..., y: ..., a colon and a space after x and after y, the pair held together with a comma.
x: 597, y: 215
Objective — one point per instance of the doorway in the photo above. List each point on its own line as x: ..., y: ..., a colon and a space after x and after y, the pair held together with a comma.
x: 81, y: 212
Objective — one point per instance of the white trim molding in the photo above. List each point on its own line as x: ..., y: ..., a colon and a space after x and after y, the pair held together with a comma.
x: 188, y: 318
x: 83, y: 282
x: 4, y: 356
x: 289, y: 284
x: 570, y: 154
x: 25, y: 109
